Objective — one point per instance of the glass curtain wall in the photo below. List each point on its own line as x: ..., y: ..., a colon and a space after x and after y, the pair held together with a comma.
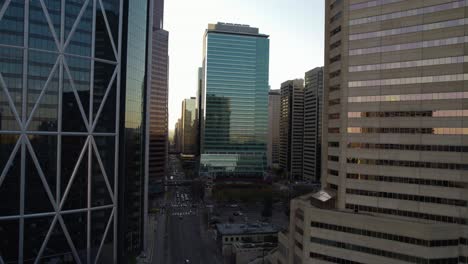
x: 59, y: 66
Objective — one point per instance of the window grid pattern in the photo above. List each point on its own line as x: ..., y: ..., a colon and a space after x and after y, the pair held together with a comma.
x: 386, y: 236
x: 408, y: 13
x: 410, y: 214
x: 411, y: 147
x: 410, y: 29
x: 409, y: 64
x: 429, y: 182
x: 410, y: 80
x: 409, y: 130
x: 332, y: 259
x: 389, y: 114
x: 410, y: 46
x: 380, y: 252
x: 408, y: 197
x: 408, y: 163
x: 373, y: 3
x: 408, y: 97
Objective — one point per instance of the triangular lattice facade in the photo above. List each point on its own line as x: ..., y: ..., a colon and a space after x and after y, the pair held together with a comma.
x: 60, y: 66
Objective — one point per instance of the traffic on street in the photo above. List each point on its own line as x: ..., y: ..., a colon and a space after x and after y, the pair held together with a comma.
x: 181, y: 235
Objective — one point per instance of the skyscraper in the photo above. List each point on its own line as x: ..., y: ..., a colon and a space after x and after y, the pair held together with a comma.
x: 199, y: 108
x: 292, y: 128
x: 178, y: 136
x: 67, y: 126
x: 395, y: 137
x: 274, y: 112
x: 158, y: 145
x: 133, y: 133
x: 313, y: 98
x: 234, y: 121
x: 189, y: 126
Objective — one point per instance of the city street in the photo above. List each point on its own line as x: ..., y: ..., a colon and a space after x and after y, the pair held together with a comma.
x: 181, y: 236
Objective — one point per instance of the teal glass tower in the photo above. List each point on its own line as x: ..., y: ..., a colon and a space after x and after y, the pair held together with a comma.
x: 234, y: 102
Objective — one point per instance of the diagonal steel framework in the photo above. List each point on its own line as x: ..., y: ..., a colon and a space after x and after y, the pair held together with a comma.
x: 46, y: 240
x: 44, y: 88
x: 41, y: 173
x: 104, y: 236
x: 10, y: 160
x: 2, y: 12
x: 109, y: 32
x: 75, y: 25
x: 104, y: 173
x: 23, y: 146
x: 51, y: 25
x: 75, y: 171
x: 69, y: 240
x: 104, y: 99
x: 77, y: 97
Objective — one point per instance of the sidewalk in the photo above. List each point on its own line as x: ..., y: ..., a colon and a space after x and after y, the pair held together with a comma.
x: 152, y: 224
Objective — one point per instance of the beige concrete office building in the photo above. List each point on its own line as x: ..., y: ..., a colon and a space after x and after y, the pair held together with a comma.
x: 292, y: 128
x: 395, y: 163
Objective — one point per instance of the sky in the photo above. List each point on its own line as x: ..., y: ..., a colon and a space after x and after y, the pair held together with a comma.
x: 296, y: 38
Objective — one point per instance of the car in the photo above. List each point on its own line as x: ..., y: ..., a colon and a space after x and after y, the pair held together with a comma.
x: 187, y: 261
x: 181, y: 217
x: 234, y: 205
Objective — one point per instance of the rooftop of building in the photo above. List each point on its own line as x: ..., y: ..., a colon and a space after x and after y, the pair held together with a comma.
x: 257, y: 245
x: 275, y: 92
x: 314, y: 70
x: 237, y: 29
x: 295, y: 82
x: 246, y: 229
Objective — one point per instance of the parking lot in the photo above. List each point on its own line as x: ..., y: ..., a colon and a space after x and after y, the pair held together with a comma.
x: 242, y: 213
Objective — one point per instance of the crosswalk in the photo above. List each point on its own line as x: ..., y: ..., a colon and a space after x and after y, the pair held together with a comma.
x: 183, y: 213
x: 176, y: 205
x: 183, y: 210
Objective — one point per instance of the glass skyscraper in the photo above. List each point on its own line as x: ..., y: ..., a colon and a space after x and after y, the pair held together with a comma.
x: 234, y: 102
x: 72, y: 91
x: 133, y: 141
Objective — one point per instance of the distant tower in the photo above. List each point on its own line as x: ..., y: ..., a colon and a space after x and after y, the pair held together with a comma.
x: 189, y: 130
x: 313, y: 101
x: 158, y: 145
x: 234, y: 122
x: 292, y: 128
x: 274, y: 112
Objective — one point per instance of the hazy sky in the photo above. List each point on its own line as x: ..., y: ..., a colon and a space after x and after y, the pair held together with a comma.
x: 295, y: 28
